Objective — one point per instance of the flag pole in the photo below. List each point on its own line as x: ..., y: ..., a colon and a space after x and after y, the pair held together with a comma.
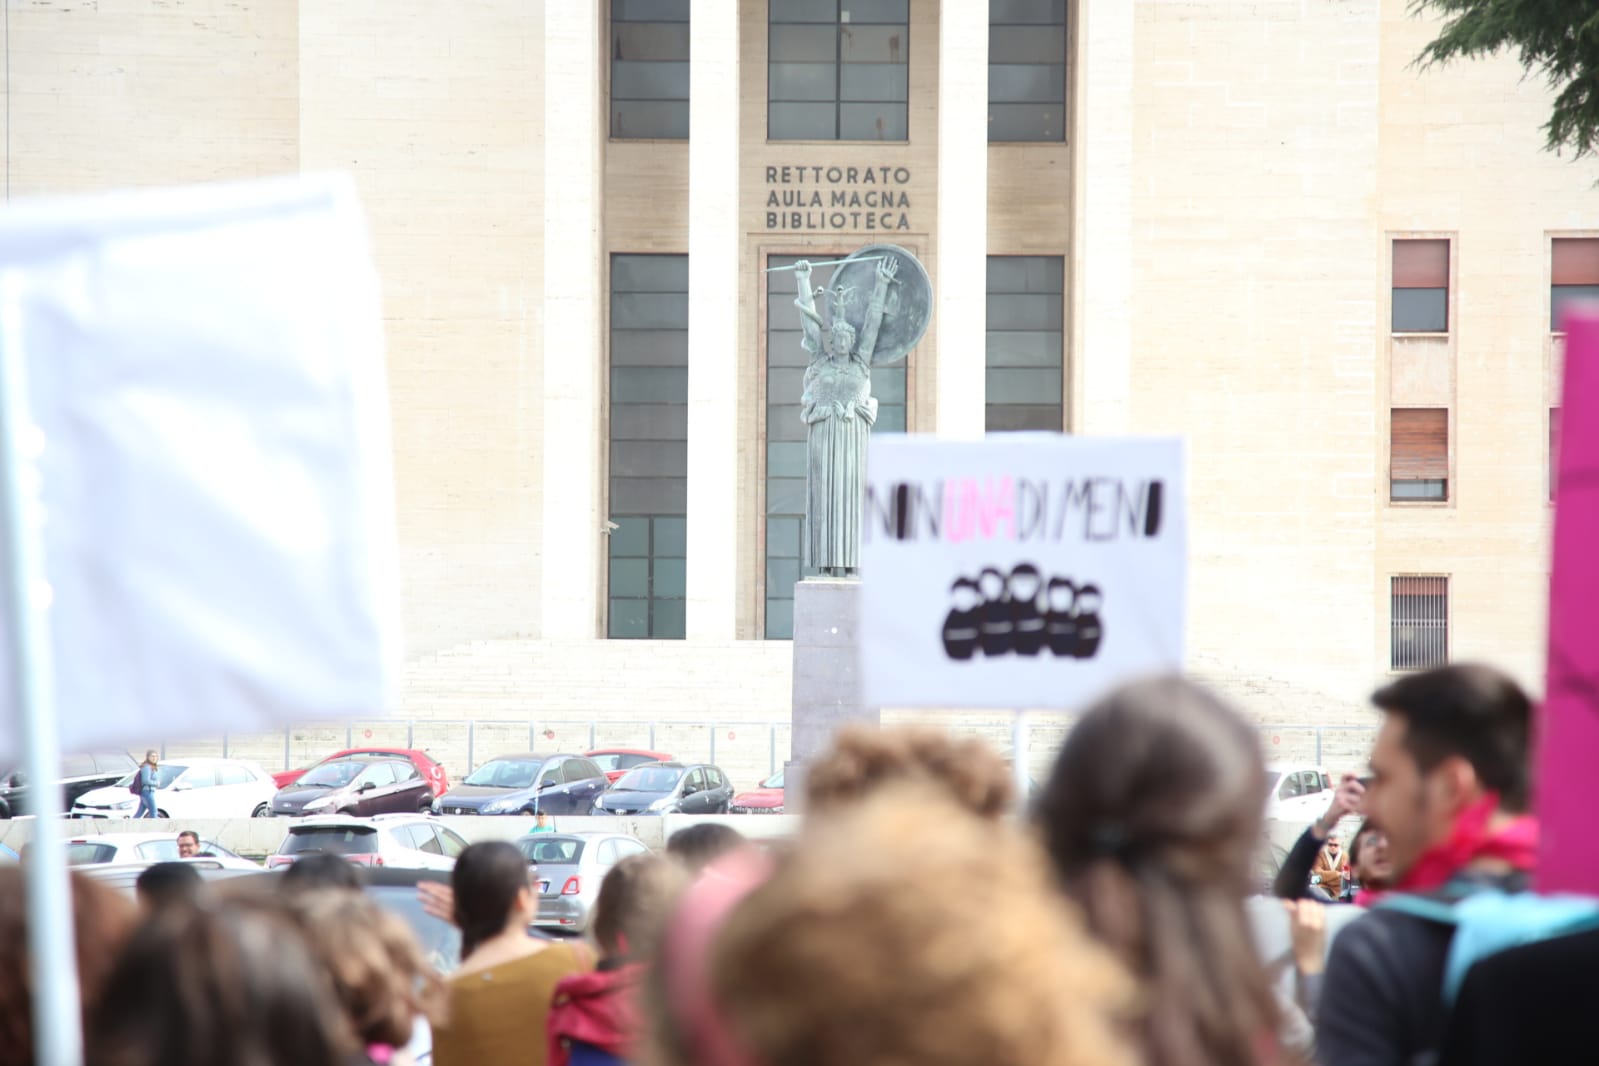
x: 57, y: 1029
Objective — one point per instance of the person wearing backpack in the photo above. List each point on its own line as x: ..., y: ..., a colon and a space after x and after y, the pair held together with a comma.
x: 144, y: 783
x: 1450, y: 789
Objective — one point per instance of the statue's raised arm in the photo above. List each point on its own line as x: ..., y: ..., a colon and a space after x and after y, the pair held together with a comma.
x: 887, y: 268
x: 810, y: 320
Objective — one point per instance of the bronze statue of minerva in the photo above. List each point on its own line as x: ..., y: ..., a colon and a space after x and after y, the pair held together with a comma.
x: 837, y: 404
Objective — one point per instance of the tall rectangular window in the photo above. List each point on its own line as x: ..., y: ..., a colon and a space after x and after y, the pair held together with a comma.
x: 1418, y: 453
x: 648, y: 445
x: 1027, y: 70
x: 1554, y: 451
x: 1026, y: 342
x: 649, y: 69
x: 1421, y: 286
x: 1573, y: 275
x: 838, y: 70
x: 785, y: 438
x: 1418, y: 622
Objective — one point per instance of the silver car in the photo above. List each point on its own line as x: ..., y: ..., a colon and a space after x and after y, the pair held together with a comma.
x: 571, y: 867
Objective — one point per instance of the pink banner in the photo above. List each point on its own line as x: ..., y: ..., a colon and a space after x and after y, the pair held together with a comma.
x: 1568, y: 752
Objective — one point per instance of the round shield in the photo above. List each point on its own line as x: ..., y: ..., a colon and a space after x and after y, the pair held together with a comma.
x: 907, y: 305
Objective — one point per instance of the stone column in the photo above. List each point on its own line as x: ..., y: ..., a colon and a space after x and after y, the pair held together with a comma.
x: 1102, y: 229
x: 574, y: 284
x: 713, y: 342
x: 960, y: 283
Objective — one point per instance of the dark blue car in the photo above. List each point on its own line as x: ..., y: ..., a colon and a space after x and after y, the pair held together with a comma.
x: 527, y: 784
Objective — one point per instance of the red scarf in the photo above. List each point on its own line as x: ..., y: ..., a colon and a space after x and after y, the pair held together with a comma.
x: 1515, y: 844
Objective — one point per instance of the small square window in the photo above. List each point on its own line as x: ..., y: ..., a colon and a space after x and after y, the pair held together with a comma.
x: 1573, y: 275
x: 1418, y: 453
x: 1420, y: 286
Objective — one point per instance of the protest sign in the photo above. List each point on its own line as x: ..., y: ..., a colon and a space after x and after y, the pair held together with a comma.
x: 205, y: 374
x: 1568, y: 726
x: 1025, y: 570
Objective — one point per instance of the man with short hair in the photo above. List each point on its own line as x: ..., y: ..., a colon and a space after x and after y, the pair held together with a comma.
x: 188, y: 844
x: 541, y: 824
x: 1450, y: 790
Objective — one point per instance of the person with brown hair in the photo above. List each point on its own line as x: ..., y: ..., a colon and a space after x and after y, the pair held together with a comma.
x: 234, y: 983
x: 1151, y: 817
x: 862, y: 948
x: 863, y: 759
x: 378, y: 972
x: 499, y: 1000
x: 594, y: 1019
x: 102, y: 920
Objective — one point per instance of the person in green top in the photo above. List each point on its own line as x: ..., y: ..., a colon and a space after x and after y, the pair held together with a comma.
x: 541, y: 824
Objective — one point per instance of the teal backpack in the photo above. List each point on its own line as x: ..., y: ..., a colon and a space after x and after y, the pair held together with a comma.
x: 1488, y: 921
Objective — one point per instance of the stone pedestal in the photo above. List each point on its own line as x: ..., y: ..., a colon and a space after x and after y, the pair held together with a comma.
x: 827, y: 685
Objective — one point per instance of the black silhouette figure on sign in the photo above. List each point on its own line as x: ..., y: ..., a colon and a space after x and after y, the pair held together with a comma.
x: 1023, y: 614
x: 996, y: 627
x: 1026, y: 610
x: 960, y: 626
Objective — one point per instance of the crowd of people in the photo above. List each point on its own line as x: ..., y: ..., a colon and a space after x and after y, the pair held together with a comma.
x: 913, y: 919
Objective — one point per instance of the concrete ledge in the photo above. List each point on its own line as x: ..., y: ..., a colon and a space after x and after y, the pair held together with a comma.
x: 258, y: 837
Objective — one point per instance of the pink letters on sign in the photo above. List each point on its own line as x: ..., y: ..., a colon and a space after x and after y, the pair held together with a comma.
x: 1568, y: 752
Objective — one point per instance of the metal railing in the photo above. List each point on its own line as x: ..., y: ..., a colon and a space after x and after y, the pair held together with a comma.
x: 748, y: 752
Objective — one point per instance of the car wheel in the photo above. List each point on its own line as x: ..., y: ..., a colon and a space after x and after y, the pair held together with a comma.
x: 262, y: 810
x: 5, y: 809
x: 526, y: 812
x: 163, y: 815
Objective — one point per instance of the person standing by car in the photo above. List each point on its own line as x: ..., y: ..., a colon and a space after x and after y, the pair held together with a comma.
x: 541, y: 823
x: 147, y: 778
x: 188, y: 844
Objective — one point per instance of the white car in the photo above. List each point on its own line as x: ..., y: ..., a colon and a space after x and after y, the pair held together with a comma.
x: 189, y: 788
x: 147, y: 848
x: 1297, y: 792
x: 408, y: 841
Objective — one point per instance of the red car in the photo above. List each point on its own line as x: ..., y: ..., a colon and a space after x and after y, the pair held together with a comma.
x: 618, y: 761
x: 431, y: 771
x: 767, y: 799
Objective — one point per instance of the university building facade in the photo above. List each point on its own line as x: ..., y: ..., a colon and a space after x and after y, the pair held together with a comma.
x: 1252, y: 224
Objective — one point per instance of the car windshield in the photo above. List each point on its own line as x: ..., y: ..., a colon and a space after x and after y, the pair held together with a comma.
x: 441, y: 941
x: 650, y: 779
x: 164, y: 776
x: 339, y: 839
x: 505, y: 773
x: 775, y: 781
x: 331, y: 775
x: 559, y: 851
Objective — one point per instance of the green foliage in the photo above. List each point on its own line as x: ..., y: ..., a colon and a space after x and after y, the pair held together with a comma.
x: 1557, y: 38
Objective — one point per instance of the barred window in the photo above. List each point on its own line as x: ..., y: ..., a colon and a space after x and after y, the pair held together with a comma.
x: 649, y: 69
x: 648, y: 446
x: 1419, y: 620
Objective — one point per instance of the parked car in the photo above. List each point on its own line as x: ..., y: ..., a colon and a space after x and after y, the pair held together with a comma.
x: 766, y: 798
x: 79, y: 774
x: 124, y: 849
x: 361, y: 787
x: 618, y: 761
x: 571, y: 867
x: 410, y: 841
x: 189, y: 788
x: 669, y: 788
x: 424, y: 763
x: 526, y: 784
x: 1297, y: 792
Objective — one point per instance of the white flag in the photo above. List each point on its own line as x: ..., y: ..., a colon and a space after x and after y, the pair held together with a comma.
x: 205, y: 367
